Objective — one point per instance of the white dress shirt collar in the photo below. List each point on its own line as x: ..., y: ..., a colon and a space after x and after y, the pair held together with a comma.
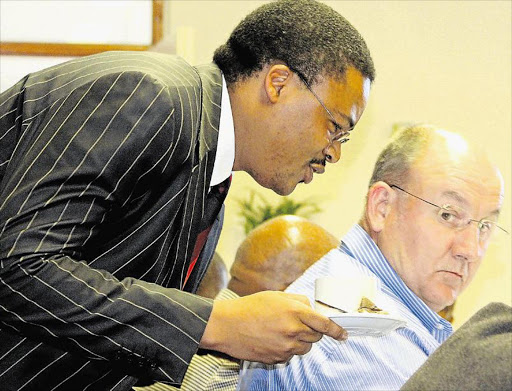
x: 225, y: 156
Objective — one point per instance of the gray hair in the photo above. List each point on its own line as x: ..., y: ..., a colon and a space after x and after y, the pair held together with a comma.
x: 404, y: 148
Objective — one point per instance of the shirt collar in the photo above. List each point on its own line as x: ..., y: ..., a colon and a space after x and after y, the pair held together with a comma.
x: 359, y: 245
x: 225, y: 155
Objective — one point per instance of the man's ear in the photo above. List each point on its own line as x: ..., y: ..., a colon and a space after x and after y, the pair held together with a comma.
x: 276, y: 78
x: 378, y: 205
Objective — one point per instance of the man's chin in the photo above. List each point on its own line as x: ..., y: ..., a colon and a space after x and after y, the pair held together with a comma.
x: 444, y: 297
x: 283, y: 191
x: 279, y: 187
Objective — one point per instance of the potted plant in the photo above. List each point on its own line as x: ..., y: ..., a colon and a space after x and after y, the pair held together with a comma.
x: 256, y: 209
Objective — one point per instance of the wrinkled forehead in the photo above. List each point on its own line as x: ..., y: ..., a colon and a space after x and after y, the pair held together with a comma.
x: 463, y: 178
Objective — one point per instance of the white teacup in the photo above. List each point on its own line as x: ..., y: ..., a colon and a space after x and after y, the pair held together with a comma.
x: 342, y: 292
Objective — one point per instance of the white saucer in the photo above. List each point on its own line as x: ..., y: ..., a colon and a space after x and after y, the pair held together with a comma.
x: 367, y: 324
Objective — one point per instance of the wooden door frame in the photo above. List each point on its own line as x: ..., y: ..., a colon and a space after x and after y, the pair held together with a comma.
x: 75, y: 50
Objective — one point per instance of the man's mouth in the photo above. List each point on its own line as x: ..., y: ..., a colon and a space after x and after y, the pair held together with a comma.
x: 308, y: 177
x: 455, y: 274
x: 316, y: 166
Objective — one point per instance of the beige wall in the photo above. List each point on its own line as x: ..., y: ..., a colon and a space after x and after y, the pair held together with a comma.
x: 445, y: 62
x: 448, y: 63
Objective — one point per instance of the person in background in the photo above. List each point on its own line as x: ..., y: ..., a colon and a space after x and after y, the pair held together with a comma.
x: 276, y: 253
x: 273, y: 254
x: 431, y: 209
x: 215, y: 278
x: 478, y: 356
x: 113, y: 172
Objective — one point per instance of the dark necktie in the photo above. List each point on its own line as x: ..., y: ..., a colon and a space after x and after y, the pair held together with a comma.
x: 214, y: 202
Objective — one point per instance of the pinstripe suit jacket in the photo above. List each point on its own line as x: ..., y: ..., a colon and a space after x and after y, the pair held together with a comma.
x: 105, y: 164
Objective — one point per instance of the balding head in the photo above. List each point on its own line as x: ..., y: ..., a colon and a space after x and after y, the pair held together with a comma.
x: 276, y: 253
x: 428, y: 145
x: 432, y: 206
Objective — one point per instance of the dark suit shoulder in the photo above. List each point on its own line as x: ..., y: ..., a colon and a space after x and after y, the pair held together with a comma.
x: 48, y: 85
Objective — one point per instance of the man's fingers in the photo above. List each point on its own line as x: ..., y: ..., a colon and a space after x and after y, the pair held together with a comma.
x: 303, y: 348
x: 310, y: 336
x: 301, y: 298
x: 322, y: 324
x: 247, y: 328
x: 319, y: 324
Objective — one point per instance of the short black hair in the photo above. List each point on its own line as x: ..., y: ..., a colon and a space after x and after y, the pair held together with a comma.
x: 306, y: 35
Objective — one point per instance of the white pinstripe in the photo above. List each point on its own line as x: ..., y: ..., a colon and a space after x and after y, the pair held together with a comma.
x: 29, y: 124
x: 13, y: 348
x: 98, y: 314
x: 19, y: 182
x: 113, y: 388
x: 92, y: 354
x: 209, y: 120
x: 169, y: 273
x: 73, y: 81
x: 93, y: 145
x: 20, y: 359
x: 93, y: 226
x: 128, y: 199
x: 58, y: 66
x: 97, y: 380
x: 48, y: 143
x: 19, y: 235
x: 41, y: 371
x: 204, y: 193
x: 122, y: 69
x: 179, y: 238
x: 188, y: 234
x: 7, y: 113
x: 56, y: 222
x: 181, y: 128
x: 12, y: 327
x: 189, y: 104
x: 21, y: 139
x: 142, y: 250
x: 169, y: 323
x: 160, y: 369
x: 175, y: 144
x: 65, y: 245
x: 8, y: 130
x: 138, y: 228
x: 140, y: 153
x: 73, y: 374
x: 127, y: 301
x: 62, y: 153
x: 155, y: 262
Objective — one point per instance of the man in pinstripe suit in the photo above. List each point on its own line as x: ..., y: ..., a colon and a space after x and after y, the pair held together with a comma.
x: 108, y: 166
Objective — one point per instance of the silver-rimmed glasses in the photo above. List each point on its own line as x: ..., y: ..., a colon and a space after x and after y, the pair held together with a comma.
x: 339, y: 134
x: 457, y: 218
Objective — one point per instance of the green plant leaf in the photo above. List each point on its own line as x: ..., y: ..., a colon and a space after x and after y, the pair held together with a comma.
x: 256, y: 212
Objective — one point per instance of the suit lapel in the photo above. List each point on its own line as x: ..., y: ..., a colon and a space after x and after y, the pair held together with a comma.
x: 211, y: 80
x: 205, y: 149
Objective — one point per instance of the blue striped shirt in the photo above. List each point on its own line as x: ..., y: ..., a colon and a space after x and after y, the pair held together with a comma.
x: 360, y: 363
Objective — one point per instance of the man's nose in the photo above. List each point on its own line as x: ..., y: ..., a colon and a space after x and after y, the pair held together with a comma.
x: 468, y: 243
x: 333, y: 152
x: 318, y: 168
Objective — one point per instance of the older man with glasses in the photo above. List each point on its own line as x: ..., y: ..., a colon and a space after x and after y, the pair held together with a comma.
x: 432, y: 207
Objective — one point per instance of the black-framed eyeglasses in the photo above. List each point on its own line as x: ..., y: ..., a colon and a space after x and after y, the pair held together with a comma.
x: 457, y: 218
x: 339, y: 133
